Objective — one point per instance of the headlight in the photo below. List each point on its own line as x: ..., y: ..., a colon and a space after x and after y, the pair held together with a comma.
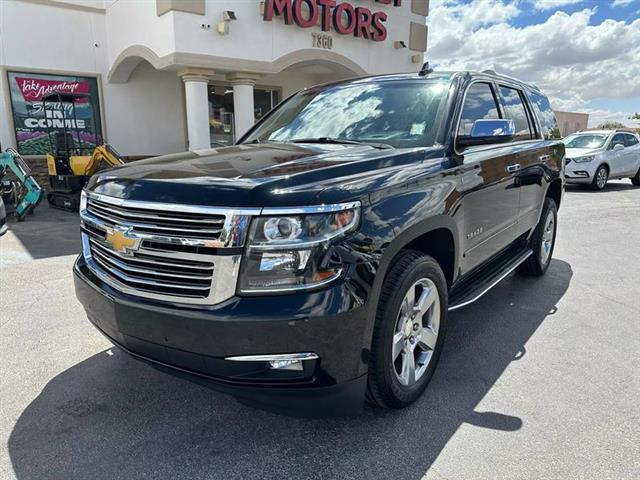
x: 291, y: 251
x: 83, y: 200
x: 584, y: 159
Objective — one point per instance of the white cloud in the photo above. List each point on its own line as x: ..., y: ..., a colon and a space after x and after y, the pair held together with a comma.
x: 621, y: 3
x: 549, y: 4
x: 571, y: 60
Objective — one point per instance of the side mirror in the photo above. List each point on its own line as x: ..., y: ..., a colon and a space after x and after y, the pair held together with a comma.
x: 617, y: 147
x: 487, y: 132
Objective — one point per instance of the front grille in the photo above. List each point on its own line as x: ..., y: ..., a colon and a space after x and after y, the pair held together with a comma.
x: 173, y: 252
x: 193, y: 225
x: 154, y: 274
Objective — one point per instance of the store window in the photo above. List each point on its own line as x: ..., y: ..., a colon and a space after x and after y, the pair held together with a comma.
x: 29, y: 119
x: 221, y: 113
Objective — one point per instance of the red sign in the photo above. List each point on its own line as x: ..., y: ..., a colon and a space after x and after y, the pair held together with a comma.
x: 33, y: 89
x: 343, y: 17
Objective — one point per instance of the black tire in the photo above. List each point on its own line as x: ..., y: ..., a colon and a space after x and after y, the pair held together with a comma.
x: 538, y: 263
x: 383, y: 387
x: 636, y: 180
x: 594, y: 184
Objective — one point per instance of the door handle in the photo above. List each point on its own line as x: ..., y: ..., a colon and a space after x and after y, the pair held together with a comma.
x: 544, y: 158
x: 513, y: 168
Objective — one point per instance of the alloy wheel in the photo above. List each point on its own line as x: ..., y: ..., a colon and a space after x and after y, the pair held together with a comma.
x: 416, y: 332
x: 547, y: 238
x: 601, y: 179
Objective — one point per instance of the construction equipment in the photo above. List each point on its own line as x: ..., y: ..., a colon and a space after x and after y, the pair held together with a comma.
x: 32, y: 193
x: 72, y: 160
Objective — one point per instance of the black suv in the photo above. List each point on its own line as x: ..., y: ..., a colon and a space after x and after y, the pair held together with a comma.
x: 313, y: 263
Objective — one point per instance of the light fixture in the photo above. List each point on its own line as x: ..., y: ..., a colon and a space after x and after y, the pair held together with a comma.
x: 418, y: 58
x: 399, y: 44
x: 227, y: 17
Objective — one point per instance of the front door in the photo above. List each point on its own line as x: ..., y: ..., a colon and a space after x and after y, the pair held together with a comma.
x: 617, y: 157
x: 489, y: 182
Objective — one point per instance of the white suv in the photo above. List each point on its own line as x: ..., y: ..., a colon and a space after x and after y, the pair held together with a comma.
x: 595, y: 156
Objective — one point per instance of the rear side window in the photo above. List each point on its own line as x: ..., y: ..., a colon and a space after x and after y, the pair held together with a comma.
x: 480, y: 103
x: 546, y: 117
x: 630, y: 140
x: 515, y: 110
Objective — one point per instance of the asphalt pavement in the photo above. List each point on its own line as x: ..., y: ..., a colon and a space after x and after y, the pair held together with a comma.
x: 539, y: 379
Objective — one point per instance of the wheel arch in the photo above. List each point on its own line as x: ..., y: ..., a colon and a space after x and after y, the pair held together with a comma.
x: 554, y: 191
x: 437, y: 236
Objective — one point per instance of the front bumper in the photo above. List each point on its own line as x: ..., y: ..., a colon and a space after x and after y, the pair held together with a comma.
x: 193, y: 342
x: 579, y: 172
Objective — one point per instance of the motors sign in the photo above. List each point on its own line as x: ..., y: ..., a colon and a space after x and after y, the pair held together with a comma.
x: 342, y: 17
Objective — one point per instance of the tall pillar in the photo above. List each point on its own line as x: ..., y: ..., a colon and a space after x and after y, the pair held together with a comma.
x: 243, y: 108
x: 197, y: 102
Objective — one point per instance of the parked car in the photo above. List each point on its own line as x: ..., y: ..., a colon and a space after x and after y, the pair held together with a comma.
x: 313, y: 263
x: 594, y: 157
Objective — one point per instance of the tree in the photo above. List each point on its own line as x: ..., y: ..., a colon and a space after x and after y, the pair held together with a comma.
x: 609, y: 125
x: 635, y: 116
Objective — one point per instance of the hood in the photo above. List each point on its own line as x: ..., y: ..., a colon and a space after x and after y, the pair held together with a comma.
x: 580, y: 152
x: 253, y: 175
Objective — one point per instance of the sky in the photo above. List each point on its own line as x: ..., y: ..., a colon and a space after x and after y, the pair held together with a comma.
x: 584, y: 54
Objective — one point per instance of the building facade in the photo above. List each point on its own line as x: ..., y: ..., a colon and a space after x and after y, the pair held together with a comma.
x: 571, y: 122
x: 161, y: 76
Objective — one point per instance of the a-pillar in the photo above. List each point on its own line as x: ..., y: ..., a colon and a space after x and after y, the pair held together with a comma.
x: 243, y: 107
x: 196, y: 83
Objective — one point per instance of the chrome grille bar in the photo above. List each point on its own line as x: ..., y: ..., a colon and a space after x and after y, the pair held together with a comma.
x: 177, y: 251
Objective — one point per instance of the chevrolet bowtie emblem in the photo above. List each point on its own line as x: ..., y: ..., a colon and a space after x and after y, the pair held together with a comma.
x: 122, y: 241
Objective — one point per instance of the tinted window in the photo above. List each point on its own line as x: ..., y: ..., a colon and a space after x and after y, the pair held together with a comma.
x: 617, y: 138
x: 630, y: 140
x: 546, y: 117
x: 515, y: 110
x: 480, y: 103
x: 401, y: 114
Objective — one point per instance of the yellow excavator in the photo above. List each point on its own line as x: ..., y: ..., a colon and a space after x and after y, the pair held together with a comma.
x: 72, y: 159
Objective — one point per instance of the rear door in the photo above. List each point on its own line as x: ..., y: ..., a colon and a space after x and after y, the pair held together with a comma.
x: 631, y: 154
x: 531, y: 154
x: 490, y: 197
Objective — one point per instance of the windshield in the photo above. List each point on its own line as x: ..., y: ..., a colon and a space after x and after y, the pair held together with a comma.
x: 585, y: 141
x: 402, y: 114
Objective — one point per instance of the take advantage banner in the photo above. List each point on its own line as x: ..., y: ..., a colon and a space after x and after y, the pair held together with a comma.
x: 29, y: 119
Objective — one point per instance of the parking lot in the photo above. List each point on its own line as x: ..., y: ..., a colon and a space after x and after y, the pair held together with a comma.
x: 538, y: 379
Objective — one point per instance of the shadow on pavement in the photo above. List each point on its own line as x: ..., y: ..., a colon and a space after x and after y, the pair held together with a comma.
x: 110, y: 417
x: 612, y: 186
x: 47, y: 232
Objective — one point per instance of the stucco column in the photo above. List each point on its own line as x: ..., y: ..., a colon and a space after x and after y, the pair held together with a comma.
x: 243, y: 107
x: 197, y: 100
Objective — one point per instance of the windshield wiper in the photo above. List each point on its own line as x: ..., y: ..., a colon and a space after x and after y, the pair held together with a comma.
x: 336, y: 140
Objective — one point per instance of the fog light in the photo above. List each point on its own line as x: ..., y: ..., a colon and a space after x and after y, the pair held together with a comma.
x: 278, y: 361
x: 286, y: 365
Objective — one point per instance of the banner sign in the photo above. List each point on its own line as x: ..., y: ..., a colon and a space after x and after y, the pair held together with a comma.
x: 30, y: 119
x: 341, y: 17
